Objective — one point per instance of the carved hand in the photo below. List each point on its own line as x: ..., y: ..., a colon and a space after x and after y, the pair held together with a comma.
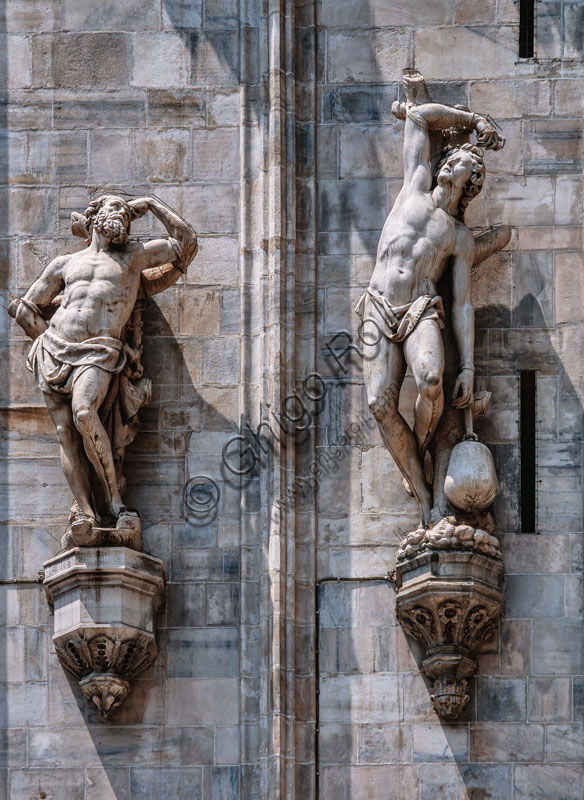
x: 487, y: 136
x: 399, y: 109
x: 462, y: 394
x: 139, y: 207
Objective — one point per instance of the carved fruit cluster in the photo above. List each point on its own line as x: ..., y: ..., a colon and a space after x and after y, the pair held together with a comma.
x: 446, y: 534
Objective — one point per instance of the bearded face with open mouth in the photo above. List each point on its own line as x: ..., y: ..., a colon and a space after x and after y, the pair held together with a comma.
x: 113, y: 224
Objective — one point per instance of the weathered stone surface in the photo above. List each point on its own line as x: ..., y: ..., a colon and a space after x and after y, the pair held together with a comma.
x: 203, y: 653
x: 549, y: 699
x: 519, y: 98
x: 153, y: 783
x: 370, y: 152
x: 24, y: 784
x: 379, y: 744
x: 203, y: 701
x: 552, y: 147
x: 214, y: 59
x: 534, y: 596
x: 501, y: 699
x: 544, y: 781
x: 159, y: 60
x: 15, y: 71
x: 162, y: 155
x: 371, y: 698
x: 526, y: 553
x: 365, y: 14
x: 557, y: 648
x: 33, y: 15
x: 493, y: 52
x: 357, y: 57
x: 515, y: 647
x: 439, y: 743
x: 109, y: 15
x: 76, y: 60
x: 215, y: 155
x: 506, y: 742
x: 393, y: 782
x: 111, y: 783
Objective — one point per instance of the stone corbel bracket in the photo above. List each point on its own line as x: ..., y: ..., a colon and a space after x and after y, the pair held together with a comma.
x: 105, y: 602
x: 449, y: 601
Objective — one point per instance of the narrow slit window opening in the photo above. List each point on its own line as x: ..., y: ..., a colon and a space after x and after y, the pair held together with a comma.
x: 526, y: 28
x: 528, y: 450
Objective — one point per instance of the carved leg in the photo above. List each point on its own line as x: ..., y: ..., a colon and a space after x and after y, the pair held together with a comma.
x: 89, y: 391
x: 424, y: 351
x: 73, y: 459
x: 385, y: 369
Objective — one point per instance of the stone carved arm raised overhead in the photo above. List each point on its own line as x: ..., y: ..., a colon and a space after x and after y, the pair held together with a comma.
x: 156, y: 278
x: 162, y: 261
x: 420, y: 119
x: 181, y: 246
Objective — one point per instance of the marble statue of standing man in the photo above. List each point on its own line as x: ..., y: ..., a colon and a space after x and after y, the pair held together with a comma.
x: 424, y: 234
x: 85, y: 349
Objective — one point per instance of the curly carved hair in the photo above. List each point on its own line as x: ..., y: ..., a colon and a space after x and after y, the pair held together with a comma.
x: 95, y: 207
x: 477, y: 177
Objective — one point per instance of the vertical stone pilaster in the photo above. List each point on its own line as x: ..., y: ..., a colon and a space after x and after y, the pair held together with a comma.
x: 275, y: 236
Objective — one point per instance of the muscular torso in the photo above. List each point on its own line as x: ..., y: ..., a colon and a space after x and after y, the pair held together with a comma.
x: 416, y: 240
x: 99, y: 294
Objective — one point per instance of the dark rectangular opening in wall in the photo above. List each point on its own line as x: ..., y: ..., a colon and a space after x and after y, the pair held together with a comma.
x: 526, y: 28
x: 527, y: 446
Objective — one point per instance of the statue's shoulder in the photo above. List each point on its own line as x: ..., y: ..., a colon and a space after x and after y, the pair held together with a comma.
x: 464, y: 237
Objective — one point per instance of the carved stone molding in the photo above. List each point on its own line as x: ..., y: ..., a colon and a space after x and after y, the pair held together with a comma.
x: 105, y: 602
x: 449, y: 601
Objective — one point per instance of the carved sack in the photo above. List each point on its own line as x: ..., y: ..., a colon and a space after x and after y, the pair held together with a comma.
x: 471, y: 481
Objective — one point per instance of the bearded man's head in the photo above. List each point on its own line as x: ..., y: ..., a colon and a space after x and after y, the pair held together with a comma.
x: 110, y: 215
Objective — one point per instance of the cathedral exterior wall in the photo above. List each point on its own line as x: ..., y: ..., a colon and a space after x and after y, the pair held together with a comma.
x: 282, y: 669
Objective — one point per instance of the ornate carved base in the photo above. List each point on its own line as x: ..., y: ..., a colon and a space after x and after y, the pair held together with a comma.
x: 107, y: 691
x: 449, y: 601
x: 105, y: 601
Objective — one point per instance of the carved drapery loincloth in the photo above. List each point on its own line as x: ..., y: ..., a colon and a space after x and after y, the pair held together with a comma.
x: 56, y: 364
x: 397, y: 322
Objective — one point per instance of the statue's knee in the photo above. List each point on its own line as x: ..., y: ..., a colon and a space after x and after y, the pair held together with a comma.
x: 65, y: 433
x: 84, y: 419
x: 431, y: 383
